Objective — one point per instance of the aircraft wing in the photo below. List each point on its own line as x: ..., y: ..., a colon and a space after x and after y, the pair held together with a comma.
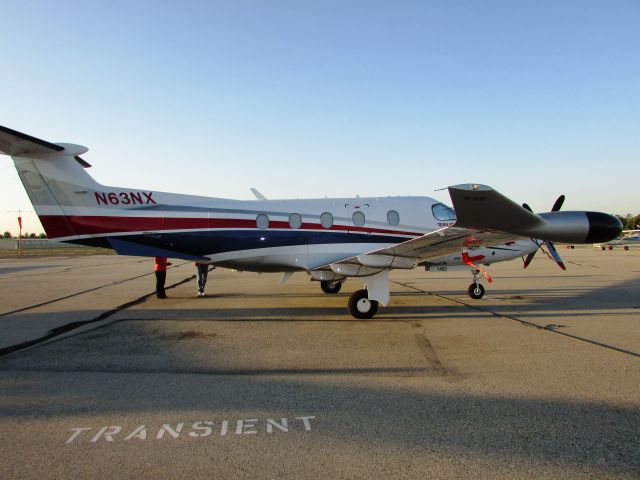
x: 484, y: 218
x: 445, y: 241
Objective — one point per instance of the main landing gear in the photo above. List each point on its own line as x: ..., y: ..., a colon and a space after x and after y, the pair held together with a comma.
x: 363, y: 304
x: 476, y: 290
x: 360, y: 306
x: 331, y: 287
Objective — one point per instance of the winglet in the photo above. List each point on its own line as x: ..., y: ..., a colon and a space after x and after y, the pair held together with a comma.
x: 483, y: 208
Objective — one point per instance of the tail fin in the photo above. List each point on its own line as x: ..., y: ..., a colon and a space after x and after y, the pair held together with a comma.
x: 54, y: 177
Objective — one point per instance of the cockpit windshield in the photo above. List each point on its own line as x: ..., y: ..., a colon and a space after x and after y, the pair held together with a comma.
x: 443, y: 213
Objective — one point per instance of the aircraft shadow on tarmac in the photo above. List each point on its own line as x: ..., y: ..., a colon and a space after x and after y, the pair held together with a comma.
x: 24, y: 268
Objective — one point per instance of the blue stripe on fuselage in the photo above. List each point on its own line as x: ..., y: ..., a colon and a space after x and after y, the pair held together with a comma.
x: 193, y: 244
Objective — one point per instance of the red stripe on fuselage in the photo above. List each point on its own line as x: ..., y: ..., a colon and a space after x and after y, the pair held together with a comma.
x: 58, y: 226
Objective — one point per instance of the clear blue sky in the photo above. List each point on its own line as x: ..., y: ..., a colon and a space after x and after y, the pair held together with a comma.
x: 306, y: 99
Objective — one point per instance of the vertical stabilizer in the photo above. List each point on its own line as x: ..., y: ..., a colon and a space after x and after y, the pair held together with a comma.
x: 54, y: 177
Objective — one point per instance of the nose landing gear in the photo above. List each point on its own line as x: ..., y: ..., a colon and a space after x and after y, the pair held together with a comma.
x: 476, y: 290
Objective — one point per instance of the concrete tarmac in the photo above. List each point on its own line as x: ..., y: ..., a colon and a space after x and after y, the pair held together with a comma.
x: 539, y: 379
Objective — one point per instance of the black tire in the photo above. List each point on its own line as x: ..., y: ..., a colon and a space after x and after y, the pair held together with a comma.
x: 476, y: 291
x: 330, y: 287
x: 610, y: 247
x: 360, y: 306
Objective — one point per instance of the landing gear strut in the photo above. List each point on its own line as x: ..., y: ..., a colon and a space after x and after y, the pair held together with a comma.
x: 360, y: 306
x: 476, y: 290
x: 330, y: 287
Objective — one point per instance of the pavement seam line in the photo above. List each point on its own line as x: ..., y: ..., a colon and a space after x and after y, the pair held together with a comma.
x: 56, y: 332
x: 548, y: 328
x: 117, y: 282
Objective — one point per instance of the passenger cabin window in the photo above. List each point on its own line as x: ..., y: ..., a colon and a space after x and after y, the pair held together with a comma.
x: 393, y: 218
x: 443, y: 213
x: 262, y: 221
x: 358, y: 218
x: 326, y: 220
x: 295, y: 220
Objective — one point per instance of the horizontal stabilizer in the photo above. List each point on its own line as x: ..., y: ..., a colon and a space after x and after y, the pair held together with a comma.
x: 17, y: 144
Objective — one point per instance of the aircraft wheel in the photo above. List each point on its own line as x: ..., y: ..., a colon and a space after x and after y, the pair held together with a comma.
x: 330, y: 287
x: 610, y: 247
x: 476, y: 291
x: 360, y: 306
x: 603, y: 248
x: 626, y: 247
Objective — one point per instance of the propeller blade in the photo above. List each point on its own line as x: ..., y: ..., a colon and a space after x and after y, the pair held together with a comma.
x: 529, y: 257
x: 554, y: 254
x: 527, y: 260
x: 558, y: 205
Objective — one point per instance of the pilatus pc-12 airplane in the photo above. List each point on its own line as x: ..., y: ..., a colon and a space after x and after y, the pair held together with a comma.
x: 330, y: 239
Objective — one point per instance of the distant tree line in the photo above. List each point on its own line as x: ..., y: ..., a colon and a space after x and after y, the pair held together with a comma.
x: 629, y: 222
x: 7, y: 234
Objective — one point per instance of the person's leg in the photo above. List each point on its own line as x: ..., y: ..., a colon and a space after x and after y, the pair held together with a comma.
x: 205, y: 270
x: 160, y: 279
x: 202, y: 278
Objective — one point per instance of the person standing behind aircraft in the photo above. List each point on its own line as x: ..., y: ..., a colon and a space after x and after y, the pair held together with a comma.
x: 203, y: 270
x: 160, y: 269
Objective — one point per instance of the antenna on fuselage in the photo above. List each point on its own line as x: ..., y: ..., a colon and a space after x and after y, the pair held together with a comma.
x: 257, y: 194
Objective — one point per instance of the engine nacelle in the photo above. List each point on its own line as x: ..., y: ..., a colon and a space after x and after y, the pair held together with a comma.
x: 576, y: 227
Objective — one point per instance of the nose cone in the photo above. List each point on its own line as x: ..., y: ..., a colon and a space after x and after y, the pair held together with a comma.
x: 602, y: 227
